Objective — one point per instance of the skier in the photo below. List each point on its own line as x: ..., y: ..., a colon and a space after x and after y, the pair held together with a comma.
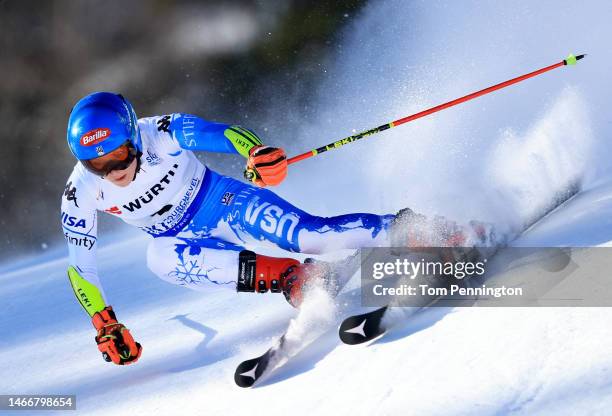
x: 144, y: 171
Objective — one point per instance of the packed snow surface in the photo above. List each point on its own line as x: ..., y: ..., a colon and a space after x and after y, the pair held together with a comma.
x: 441, y: 361
x: 499, y: 158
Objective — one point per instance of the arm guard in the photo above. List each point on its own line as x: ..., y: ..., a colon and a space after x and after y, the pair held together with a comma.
x: 86, y: 293
x: 242, y: 139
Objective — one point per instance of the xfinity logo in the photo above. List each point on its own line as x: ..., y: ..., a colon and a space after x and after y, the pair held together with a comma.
x: 151, y: 193
x: 83, y: 241
x: 95, y: 136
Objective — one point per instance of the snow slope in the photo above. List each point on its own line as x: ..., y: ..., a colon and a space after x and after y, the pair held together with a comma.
x: 498, y: 158
x: 443, y: 361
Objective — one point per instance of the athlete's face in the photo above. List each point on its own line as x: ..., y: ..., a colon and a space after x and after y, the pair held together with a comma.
x: 123, y: 177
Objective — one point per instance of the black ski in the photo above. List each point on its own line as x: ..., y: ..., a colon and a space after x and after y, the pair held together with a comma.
x: 358, y: 329
x: 362, y: 328
x: 249, y: 371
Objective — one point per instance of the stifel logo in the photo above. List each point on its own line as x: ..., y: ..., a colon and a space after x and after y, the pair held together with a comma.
x: 95, y: 136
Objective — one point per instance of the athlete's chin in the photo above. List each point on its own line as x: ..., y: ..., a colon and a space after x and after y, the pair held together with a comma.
x: 122, y: 184
x: 121, y: 181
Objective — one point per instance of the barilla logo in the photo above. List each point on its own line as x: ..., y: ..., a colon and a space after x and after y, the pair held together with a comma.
x: 95, y: 136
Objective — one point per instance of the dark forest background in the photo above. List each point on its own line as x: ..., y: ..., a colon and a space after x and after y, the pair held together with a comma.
x: 227, y: 61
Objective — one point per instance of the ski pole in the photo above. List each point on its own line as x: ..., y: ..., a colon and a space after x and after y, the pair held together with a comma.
x: 570, y: 60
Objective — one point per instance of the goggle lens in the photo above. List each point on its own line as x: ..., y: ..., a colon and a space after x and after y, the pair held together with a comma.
x: 118, y: 159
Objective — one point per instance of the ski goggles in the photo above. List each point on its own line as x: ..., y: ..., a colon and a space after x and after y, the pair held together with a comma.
x: 118, y: 159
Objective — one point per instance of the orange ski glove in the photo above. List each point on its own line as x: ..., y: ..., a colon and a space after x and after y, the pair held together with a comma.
x: 114, y: 340
x: 266, y: 166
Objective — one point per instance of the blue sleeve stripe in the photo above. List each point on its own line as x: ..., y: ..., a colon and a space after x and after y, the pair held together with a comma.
x: 194, y: 133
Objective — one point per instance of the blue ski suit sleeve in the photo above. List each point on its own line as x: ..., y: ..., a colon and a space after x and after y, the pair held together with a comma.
x: 194, y: 133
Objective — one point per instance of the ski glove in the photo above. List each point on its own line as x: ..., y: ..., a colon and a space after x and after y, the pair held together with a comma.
x: 266, y: 166
x: 114, y: 340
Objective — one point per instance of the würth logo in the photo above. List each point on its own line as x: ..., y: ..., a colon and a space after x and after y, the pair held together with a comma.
x: 95, y: 136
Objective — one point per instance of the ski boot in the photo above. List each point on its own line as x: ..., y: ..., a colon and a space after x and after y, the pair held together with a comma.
x: 413, y: 230
x: 258, y: 273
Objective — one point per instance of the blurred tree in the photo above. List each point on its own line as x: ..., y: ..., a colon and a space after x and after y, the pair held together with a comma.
x: 222, y: 60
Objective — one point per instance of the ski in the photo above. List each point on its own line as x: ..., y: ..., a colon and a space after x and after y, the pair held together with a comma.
x: 358, y: 329
x: 250, y: 371
x: 362, y: 328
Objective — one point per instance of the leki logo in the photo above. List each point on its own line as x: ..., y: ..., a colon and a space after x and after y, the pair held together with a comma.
x: 95, y: 136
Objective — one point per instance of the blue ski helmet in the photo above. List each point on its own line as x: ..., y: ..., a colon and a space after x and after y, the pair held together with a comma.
x: 101, y: 122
